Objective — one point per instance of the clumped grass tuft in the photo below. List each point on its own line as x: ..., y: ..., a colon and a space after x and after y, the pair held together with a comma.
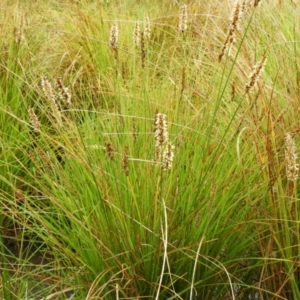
x: 148, y: 151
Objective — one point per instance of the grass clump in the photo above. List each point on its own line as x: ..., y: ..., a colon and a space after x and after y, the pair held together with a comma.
x: 149, y: 151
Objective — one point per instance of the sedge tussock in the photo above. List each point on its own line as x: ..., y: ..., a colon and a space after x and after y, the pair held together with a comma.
x: 122, y: 196
x: 234, y: 26
x: 292, y: 168
x: 256, y: 73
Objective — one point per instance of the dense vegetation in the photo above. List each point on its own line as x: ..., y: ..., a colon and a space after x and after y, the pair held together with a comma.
x: 148, y: 149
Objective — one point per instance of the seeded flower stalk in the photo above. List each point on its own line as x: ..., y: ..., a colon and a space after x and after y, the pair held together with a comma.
x: 233, y: 28
x: 183, y: 19
x: 51, y: 98
x: 161, y: 134
x: 292, y: 168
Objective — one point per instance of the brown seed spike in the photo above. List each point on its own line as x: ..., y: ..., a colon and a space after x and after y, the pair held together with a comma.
x: 292, y: 168
x: 147, y: 28
x: 168, y: 156
x: 256, y: 72
x: 113, y: 40
x: 183, y: 19
x: 63, y: 92
x: 161, y: 134
x: 136, y: 35
x: 126, y: 161
x: 143, y: 51
x: 134, y: 130
x: 109, y: 150
x: 51, y: 98
x: 234, y: 26
x: 34, y: 120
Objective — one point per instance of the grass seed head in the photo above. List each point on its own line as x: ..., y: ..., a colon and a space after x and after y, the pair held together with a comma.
x: 234, y: 26
x: 183, y: 19
x: 236, y: 16
x: 63, y: 93
x: 51, y: 98
x: 34, y: 120
x: 255, y: 74
x: 48, y: 90
x: 291, y: 166
x: 160, y: 133
x: 136, y: 35
x: 109, y: 150
x: 147, y: 28
x: 126, y: 161
x: 134, y: 130
x: 168, y: 156
x: 114, y: 35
